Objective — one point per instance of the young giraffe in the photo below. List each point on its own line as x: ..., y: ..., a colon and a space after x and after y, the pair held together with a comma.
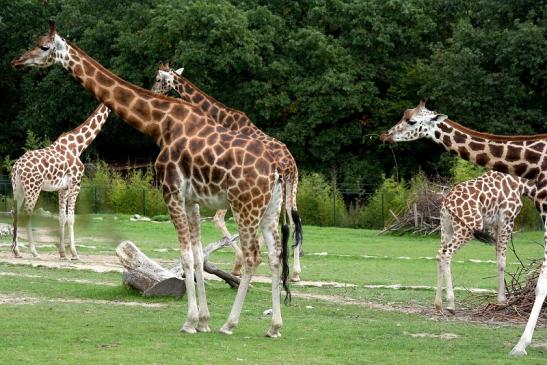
x: 485, y: 207
x: 524, y: 156
x: 200, y: 162
x: 54, y: 168
x: 167, y: 79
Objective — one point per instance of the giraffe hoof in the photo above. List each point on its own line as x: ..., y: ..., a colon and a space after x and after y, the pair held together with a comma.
x: 451, y: 310
x: 273, y: 333
x: 203, y: 329
x: 75, y: 258
x: 63, y: 258
x: 188, y: 329
x: 234, y: 273
x: 518, y: 352
x: 17, y: 256
x: 295, y: 278
x: 35, y: 255
x: 225, y: 330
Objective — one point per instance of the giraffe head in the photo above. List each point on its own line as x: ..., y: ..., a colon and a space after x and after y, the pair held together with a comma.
x: 48, y: 50
x: 165, y: 78
x: 416, y: 123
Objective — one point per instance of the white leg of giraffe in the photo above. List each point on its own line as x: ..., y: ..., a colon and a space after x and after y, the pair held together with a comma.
x: 247, y: 237
x: 447, y: 232
x: 269, y: 225
x: 220, y: 223
x: 63, y: 199
x: 504, y: 235
x: 541, y: 293
x: 31, y: 236
x: 197, y: 251
x: 72, y: 197
x: 290, y: 204
x: 18, y: 203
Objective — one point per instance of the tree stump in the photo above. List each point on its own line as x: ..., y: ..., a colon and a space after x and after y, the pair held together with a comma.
x: 150, y: 278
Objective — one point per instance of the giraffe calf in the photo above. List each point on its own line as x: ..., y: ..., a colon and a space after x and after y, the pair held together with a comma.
x: 485, y: 207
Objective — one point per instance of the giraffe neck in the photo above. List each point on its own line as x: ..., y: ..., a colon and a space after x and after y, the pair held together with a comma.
x: 524, y: 156
x: 82, y: 136
x: 138, y: 107
x: 227, y: 117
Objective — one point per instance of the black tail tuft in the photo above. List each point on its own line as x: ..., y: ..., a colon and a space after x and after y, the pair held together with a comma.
x: 484, y: 236
x: 285, y: 262
x: 297, y: 229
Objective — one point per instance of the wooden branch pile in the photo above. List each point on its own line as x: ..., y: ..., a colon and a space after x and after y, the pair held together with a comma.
x: 520, y: 291
x: 422, y: 213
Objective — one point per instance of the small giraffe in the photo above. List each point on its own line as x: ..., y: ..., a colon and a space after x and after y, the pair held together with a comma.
x: 524, y: 156
x: 485, y: 207
x: 200, y: 162
x: 54, y: 168
x: 167, y: 79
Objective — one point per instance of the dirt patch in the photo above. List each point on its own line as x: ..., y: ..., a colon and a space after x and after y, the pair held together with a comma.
x: 21, y: 300
x: 442, y: 336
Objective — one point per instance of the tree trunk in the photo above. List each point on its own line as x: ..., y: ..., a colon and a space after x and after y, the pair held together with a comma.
x: 150, y: 278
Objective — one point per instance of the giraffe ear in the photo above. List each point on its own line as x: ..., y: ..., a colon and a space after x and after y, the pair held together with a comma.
x: 422, y: 103
x: 179, y: 71
x: 52, y: 29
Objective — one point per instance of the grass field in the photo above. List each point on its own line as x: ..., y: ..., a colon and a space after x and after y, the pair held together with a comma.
x: 68, y: 316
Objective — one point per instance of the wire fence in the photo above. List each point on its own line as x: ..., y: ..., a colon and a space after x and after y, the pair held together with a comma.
x: 346, y: 207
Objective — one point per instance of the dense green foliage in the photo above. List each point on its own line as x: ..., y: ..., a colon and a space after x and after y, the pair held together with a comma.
x: 319, y: 75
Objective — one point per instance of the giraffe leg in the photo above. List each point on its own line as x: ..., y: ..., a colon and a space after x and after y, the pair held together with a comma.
x: 290, y: 207
x: 72, y: 197
x: 447, y: 231
x: 197, y: 251
x: 541, y: 293
x: 63, y: 197
x: 251, y: 259
x: 31, y: 236
x: 17, y: 203
x: 220, y: 223
x: 504, y: 235
x: 462, y: 234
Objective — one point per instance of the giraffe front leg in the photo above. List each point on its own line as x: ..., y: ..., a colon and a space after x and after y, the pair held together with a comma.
x: 62, y: 222
x: 15, y: 242
x: 72, y: 197
x: 439, y: 291
x: 197, y: 251
x: 31, y: 237
x: 501, y: 251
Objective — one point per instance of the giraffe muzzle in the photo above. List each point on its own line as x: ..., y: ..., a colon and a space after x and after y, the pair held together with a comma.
x: 386, y: 138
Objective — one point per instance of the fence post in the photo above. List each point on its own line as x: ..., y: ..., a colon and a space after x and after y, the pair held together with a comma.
x: 144, y: 202
x: 94, y: 199
x: 382, y: 204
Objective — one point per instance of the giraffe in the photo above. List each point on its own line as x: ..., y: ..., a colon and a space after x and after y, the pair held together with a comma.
x: 485, y: 207
x: 200, y: 162
x: 524, y: 156
x: 167, y: 79
x: 54, y: 168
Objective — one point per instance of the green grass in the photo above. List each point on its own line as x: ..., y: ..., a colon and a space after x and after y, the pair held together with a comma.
x: 57, y: 332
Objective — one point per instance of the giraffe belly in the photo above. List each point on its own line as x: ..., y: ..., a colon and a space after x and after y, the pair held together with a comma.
x: 57, y: 184
x: 192, y: 195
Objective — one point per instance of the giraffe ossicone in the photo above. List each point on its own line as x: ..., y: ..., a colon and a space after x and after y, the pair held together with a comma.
x: 200, y: 162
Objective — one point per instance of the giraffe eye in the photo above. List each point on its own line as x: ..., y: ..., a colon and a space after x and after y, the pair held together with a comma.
x: 44, y: 48
x: 411, y: 122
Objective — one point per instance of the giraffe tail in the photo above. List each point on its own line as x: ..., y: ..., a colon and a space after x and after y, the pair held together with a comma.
x: 297, y: 229
x: 484, y: 236
x: 285, y: 261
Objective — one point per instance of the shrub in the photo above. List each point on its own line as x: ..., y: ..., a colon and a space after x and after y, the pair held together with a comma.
x: 319, y: 203
x: 391, y: 195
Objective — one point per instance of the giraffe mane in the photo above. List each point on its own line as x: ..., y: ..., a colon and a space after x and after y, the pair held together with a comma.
x: 222, y: 105
x: 124, y: 82
x: 495, y: 137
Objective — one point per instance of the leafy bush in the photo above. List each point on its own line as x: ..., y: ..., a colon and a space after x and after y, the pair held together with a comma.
x: 391, y: 195
x: 319, y: 203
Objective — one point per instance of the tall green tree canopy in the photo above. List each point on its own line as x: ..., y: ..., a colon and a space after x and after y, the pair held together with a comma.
x: 324, y: 76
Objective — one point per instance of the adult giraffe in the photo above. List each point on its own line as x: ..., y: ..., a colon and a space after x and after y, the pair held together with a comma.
x: 54, y: 168
x: 200, y: 162
x: 524, y: 156
x: 236, y: 120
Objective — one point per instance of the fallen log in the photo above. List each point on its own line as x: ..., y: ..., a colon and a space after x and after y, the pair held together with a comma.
x: 150, y: 278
